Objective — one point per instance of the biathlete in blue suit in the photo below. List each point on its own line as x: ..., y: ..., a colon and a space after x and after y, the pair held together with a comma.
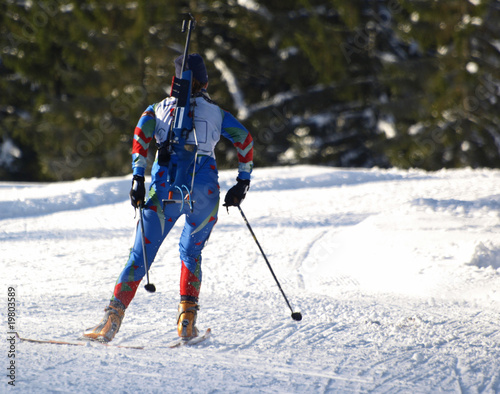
x: 210, y: 122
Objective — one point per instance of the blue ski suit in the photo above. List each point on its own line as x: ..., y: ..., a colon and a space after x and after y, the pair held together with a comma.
x: 210, y: 122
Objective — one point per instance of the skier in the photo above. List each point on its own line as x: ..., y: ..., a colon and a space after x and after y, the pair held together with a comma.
x: 210, y: 122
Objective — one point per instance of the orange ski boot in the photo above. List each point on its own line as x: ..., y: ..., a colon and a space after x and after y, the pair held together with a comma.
x: 106, y: 330
x: 186, y: 319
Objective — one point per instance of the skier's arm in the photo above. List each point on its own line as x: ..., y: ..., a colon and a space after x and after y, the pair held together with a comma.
x: 143, y: 134
x: 242, y: 140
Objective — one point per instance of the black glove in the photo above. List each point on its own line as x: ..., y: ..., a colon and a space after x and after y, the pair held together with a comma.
x: 138, y: 191
x: 237, y: 193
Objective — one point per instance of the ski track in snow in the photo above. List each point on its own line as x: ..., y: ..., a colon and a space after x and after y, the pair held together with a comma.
x: 396, y: 274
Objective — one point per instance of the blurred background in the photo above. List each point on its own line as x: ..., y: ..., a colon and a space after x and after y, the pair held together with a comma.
x: 347, y: 83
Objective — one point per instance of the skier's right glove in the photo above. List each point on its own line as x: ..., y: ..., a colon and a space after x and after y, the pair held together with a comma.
x: 138, y: 191
x: 237, y: 193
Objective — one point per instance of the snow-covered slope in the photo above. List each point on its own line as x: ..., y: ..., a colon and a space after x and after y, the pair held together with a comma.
x: 396, y: 273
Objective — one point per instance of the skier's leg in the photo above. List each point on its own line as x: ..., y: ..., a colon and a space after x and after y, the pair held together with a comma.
x: 157, y: 225
x: 197, y: 229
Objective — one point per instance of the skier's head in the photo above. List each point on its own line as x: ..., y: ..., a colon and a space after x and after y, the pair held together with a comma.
x: 194, y: 62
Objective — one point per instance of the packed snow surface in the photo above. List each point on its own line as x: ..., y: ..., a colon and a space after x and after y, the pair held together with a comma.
x: 396, y: 273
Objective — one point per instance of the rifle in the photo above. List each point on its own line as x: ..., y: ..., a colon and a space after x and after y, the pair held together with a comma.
x: 182, y: 125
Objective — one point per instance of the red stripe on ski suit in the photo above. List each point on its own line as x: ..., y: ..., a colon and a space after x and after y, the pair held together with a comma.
x: 190, y: 283
x: 249, y: 156
x: 125, y: 292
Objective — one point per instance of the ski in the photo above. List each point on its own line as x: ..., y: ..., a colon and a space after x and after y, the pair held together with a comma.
x: 57, y: 342
x: 190, y: 342
x: 85, y: 341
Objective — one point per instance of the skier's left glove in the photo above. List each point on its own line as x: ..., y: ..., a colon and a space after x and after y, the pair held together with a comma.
x: 138, y: 191
x: 237, y: 193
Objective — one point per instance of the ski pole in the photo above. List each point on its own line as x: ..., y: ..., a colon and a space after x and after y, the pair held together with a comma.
x: 295, y: 315
x: 149, y: 286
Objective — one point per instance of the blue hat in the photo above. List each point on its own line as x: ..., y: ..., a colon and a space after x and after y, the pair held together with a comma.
x: 194, y: 63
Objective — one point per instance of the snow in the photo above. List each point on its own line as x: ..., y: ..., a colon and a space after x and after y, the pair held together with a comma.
x: 8, y: 152
x: 254, y: 6
x: 231, y: 81
x: 396, y: 273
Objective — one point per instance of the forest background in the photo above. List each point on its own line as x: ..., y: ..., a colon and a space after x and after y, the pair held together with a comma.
x: 348, y: 83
